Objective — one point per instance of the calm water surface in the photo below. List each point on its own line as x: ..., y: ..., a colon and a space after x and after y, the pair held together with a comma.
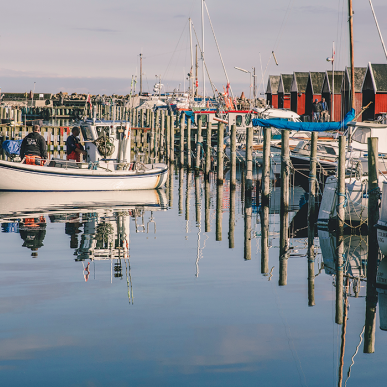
x: 130, y: 290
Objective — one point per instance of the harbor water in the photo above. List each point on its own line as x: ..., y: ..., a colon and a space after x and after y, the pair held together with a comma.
x: 156, y: 289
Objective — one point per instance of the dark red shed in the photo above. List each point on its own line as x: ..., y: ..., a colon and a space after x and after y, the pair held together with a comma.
x: 272, y: 90
x: 326, y: 92
x: 297, y: 92
x: 375, y: 90
x: 313, y: 90
x: 346, y: 104
x: 285, y: 83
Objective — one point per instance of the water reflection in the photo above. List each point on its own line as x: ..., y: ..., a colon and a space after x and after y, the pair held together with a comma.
x: 200, y: 317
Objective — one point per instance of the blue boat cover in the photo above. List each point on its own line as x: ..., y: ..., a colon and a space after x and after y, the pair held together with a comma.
x: 12, y: 147
x: 189, y: 115
x: 306, y: 126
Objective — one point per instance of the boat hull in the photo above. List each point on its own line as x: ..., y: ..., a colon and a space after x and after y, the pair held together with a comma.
x: 22, y: 177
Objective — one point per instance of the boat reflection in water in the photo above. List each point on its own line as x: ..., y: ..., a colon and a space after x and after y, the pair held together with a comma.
x: 98, y: 223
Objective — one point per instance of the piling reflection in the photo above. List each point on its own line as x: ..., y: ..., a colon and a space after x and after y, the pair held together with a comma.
x: 219, y: 211
x: 207, y: 203
x: 231, y: 222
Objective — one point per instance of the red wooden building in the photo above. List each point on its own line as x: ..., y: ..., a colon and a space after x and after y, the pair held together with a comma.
x: 346, y: 104
x: 285, y: 83
x: 297, y: 92
x: 375, y: 90
x: 327, y: 90
x: 313, y: 90
x: 272, y: 90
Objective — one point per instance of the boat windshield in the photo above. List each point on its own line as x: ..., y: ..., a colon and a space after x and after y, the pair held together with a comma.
x: 101, y: 129
x: 87, y: 133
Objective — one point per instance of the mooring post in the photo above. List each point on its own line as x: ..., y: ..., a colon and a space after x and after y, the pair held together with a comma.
x: 311, y: 217
x: 182, y: 130
x: 189, y: 158
x: 249, y: 160
x: 207, y: 201
x: 162, y: 134
x: 284, y: 208
x: 208, y: 151
x: 152, y: 139
x: 220, y: 153
x: 167, y: 136
x: 172, y: 141
x: 157, y: 135
x: 219, y: 214
x: 233, y: 157
x: 199, y: 142
x: 266, y: 167
x: 231, y: 221
x: 373, y: 247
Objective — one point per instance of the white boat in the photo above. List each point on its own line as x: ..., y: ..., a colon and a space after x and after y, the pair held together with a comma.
x: 107, y: 166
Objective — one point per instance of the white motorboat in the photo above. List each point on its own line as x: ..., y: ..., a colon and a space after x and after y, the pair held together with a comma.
x: 107, y: 166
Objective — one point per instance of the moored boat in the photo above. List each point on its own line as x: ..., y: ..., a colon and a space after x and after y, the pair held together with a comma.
x: 107, y: 166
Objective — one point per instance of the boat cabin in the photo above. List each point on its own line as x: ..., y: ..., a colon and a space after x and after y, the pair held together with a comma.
x: 107, y: 143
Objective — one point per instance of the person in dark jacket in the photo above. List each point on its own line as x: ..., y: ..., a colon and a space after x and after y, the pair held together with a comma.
x: 316, y: 110
x: 33, y: 147
x: 74, y: 147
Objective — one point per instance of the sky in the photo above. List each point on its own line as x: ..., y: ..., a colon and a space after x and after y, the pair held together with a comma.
x: 93, y: 46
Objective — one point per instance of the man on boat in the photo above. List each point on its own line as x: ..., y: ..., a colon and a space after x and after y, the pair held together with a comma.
x: 324, y: 110
x: 74, y: 147
x: 33, y: 147
x: 316, y: 109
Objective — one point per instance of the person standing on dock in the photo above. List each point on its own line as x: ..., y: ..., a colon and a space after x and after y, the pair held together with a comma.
x: 33, y: 147
x: 324, y: 110
x: 316, y: 109
x: 74, y: 147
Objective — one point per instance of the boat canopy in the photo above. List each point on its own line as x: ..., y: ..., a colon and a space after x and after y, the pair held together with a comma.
x: 306, y: 126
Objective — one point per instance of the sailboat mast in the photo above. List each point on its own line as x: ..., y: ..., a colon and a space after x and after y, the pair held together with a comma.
x: 350, y: 11
x: 140, y: 74
x: 191, y: 72
x: 204, y: 74
x: 196, y: 72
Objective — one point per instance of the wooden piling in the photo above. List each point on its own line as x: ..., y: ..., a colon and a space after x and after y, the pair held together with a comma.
x: 373, y: 248
x: 182, y: 130
x: 170, y: 186
x: 220, y: 168
x: 172, y: 140
x: 167, y: 136
x: 284, y: 208
x: 189, y: 158
x: 233, y: 157
x: 341, y: 182
x: 311, y: 218
x: 266, y: 167
x: 249, y: 160
x: 199, y: 142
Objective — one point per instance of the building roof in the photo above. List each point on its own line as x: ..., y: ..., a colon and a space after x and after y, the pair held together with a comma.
x: 299, y: 82
x: 359, y: 79
x: 316, y: 80
x: 285, y: 83
x: 338, y: 80
x: 272, y: 84
x: 379, y: 73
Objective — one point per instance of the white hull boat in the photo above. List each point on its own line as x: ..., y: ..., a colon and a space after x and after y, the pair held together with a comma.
x: 107, y: 167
